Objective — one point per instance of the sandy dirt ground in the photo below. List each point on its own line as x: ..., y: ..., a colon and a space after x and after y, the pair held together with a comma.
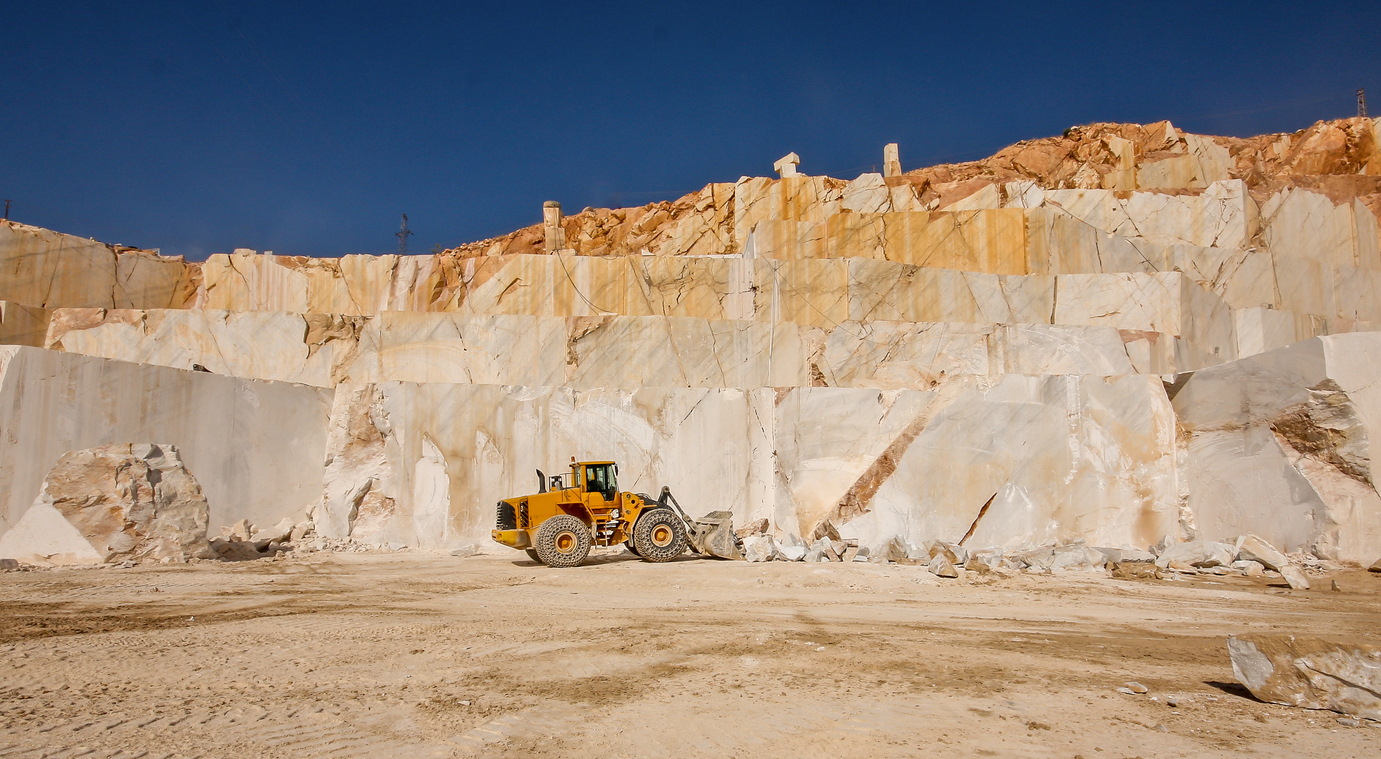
x: 416, y: 655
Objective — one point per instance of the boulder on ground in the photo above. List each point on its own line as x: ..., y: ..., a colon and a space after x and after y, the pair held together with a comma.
x: 953, y: 552
x: 1036, y: 559
x: 941, y: 567
x: 1078, y: 557
x: 1249, y: 568
x: 756, y: 527
x: 8, y: 564
x: 825, y: 529
x: 1198, y: 554
x: 991, y: 558
x: 113, y: 503
x: 1125, y: 554
x: 1309, y: 672
x: 301, y: 531
x: 862, y: 555
x: 1295, y: 576
x: 1252, y: 548
x: 1375, y: 567
x: 791, y: 548
x: 822, y: 550
x: 892, y: 550
x: 759, y: 548
x: 275, y: 534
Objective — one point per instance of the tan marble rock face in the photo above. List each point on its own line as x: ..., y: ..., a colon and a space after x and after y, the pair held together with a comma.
x: 22, y: 325
x: 125, y: 501
x: 255, y: 447
x: 312, y: 349
x: 1279, y: 446
x: 47, y: 269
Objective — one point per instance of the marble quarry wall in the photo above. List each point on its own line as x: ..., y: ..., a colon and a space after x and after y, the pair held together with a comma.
x: 1124, y: 335
x: 256, y: 447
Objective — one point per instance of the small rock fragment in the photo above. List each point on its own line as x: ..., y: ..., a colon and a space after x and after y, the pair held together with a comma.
x: 1375, y: 567
x: 1126, y: 691
x: 470, y: 549
x: 1336, y: 587
x: 1136, y: 687
x: 1172, y: 702
x: 1349, y: 722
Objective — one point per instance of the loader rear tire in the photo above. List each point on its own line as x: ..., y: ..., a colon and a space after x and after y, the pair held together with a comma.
x: 563, y: 541
x: 532, y: 554
x: 659, y: 535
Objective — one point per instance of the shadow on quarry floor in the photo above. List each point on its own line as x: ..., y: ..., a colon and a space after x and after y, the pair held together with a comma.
x: 1233, y: 689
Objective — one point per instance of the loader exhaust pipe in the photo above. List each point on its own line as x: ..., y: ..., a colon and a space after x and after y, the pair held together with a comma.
x: 541, y: 482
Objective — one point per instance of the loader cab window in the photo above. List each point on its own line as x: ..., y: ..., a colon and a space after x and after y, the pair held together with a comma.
x: 600, y: 479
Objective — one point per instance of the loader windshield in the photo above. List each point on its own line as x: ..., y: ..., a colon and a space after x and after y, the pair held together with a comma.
x: 599, y: 478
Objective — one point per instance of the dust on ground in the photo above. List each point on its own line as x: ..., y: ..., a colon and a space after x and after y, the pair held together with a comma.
x: 403, y: 655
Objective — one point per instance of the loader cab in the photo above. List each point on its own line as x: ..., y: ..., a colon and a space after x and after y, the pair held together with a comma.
x: 602, y: 478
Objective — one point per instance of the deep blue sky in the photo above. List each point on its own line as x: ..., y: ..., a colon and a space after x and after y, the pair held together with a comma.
x: 307, y: 129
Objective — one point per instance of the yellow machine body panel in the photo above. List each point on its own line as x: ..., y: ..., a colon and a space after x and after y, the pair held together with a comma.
x: 589, y: 493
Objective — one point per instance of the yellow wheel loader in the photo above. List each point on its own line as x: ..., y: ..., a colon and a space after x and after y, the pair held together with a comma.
x: 570, y: 513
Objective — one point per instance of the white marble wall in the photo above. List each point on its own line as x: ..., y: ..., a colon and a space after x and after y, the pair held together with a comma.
x: 255, y: 447
x: 1279, y: 444
x: 1069, y: 457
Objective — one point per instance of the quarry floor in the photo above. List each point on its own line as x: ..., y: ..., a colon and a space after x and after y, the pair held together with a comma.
x: 412, y: 654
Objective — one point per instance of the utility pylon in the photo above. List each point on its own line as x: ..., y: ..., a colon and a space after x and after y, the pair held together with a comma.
x: 402, y: 235
x: 1362, y: 102
x: 7, y: 209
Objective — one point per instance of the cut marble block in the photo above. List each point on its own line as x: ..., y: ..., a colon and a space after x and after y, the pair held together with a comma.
x: 1223, y: 215
x: 22, y: 325
x: 1265, y: 329
x: 1279, y: 446
x: 1169, y: 303
x: 1073, y: 457
x: 883, y: 290
x: 1052, y: 458
x: 313, y: 349
x: 990, y: 241
x: 255, y: 447
x: 1307, y: 224
x: 1205, y: 162
x: 47, y: 269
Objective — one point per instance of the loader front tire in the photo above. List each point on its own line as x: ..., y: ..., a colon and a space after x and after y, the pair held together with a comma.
x: 532, y: 554
x: 563, y: 541
x: 659, y: 535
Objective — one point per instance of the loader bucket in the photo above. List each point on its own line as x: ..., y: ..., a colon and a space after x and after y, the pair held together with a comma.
x: 713, y: 535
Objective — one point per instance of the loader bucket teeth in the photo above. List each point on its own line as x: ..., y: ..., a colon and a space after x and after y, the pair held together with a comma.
x: 713, y: 535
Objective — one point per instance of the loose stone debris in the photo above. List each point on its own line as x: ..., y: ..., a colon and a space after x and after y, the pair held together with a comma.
x: 1309, y: 672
